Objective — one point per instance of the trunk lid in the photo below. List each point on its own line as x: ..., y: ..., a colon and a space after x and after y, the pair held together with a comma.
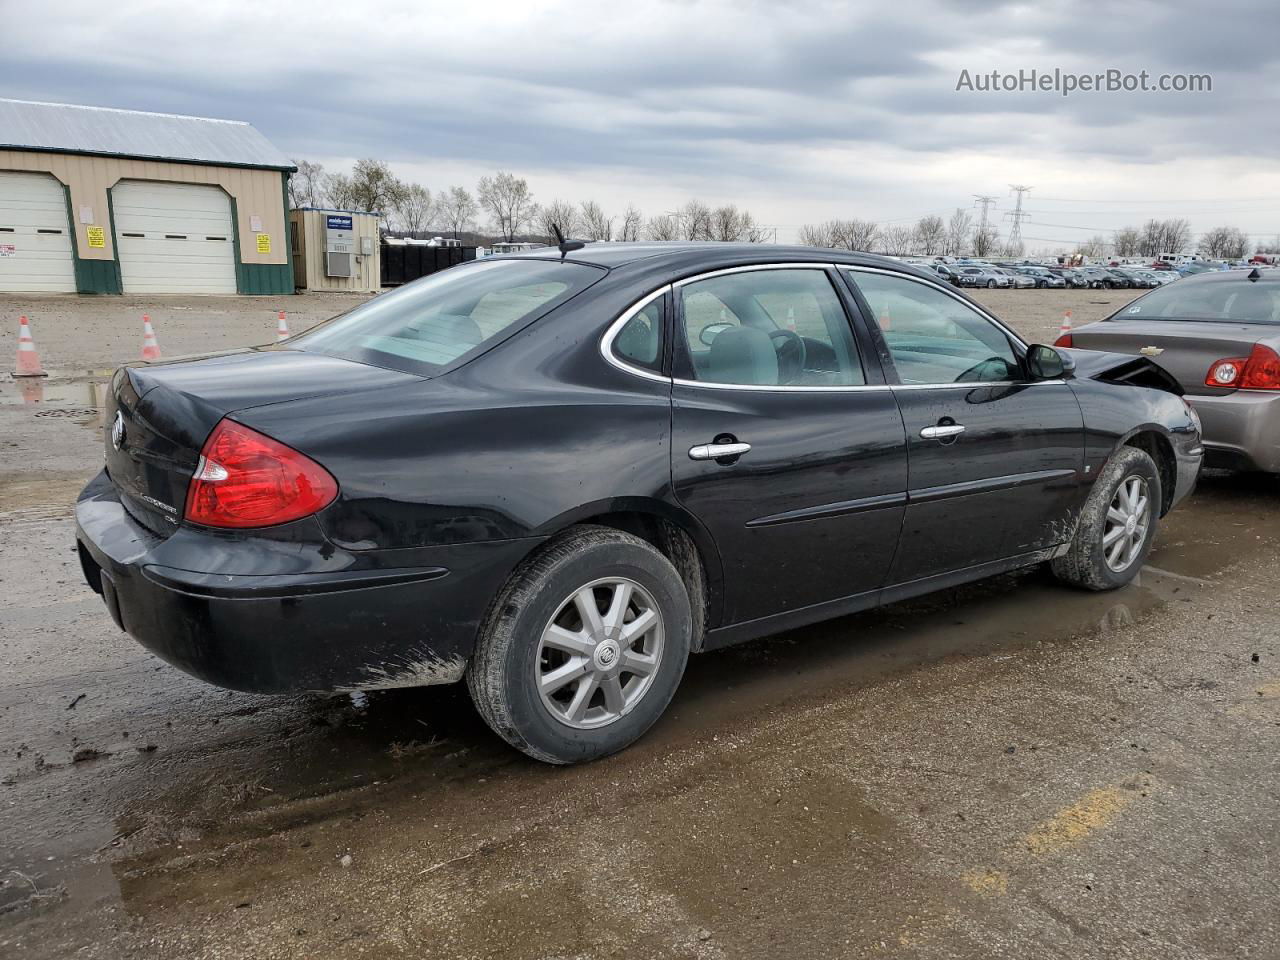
x: 1187, y: 348
x: 158, y: 416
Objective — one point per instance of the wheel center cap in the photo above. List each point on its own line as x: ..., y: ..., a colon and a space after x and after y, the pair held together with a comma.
x: 606, y: 654
x: 1131, y: 524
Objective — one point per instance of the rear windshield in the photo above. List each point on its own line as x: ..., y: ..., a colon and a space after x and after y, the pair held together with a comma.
x: 428, y: 325
x: 1243, y: 301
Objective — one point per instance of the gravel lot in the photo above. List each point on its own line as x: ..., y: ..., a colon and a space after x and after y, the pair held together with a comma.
x: 1011, y: 769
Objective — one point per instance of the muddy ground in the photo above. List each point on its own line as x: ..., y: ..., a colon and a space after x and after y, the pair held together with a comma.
x: 1011, y: 769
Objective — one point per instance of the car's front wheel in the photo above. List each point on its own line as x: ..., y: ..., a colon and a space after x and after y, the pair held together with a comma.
x: 1117, y: 525
x: 584, y: 647
x: 991, y: 284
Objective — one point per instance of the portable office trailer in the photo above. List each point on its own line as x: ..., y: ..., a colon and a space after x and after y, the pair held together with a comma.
x: 335, y: 250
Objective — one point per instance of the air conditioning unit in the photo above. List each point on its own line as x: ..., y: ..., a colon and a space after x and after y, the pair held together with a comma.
x: 337, y: 264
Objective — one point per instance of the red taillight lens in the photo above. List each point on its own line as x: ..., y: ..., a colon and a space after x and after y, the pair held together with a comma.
x: 1262, y: 372
x: 1258, y: 371
x: 1064, y: 341
x: 246, y: 479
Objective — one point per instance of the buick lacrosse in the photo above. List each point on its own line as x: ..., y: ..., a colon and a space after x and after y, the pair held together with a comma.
x: 557, y: 474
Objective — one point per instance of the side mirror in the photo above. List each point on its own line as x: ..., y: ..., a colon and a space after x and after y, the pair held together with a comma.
x: 713, y: 330
x: 1046, y: 363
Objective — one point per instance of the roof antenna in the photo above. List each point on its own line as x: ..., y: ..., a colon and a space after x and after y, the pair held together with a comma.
x: 1254, y: 275
x: 565, y: 246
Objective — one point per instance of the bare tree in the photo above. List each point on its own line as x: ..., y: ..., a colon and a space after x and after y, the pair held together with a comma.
x: 1128, y: 242
x: 931, y: 236
x: 1095, y: 247
x: 558, y: 213
x: 1177, y: 235
x: 664, y: 227
x: 724, y: 224
x: 508, y: 200
x: 374, y: 188
x: 456, y: 208
x: 1225, y: 243
x: 854, y: 234
x: 897, y: 240
x: 753, y: 232
x: 985, y: 240
x: 695, y: 221
x: 958, y: 229
x: 595, y: 225
x: 631, y: 220
x: 306, y: 186
x: 415, y: 208
x: 818, y: 234
x: 340, y: 191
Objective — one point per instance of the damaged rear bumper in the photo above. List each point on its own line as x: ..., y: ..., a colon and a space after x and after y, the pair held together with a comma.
x: 347, y: 621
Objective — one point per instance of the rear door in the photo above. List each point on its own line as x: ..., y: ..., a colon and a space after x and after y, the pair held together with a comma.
x: 994, y: 461
x: 786, y: 444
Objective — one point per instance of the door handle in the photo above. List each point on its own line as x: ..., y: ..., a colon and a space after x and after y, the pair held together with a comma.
x: 942, y: 431
x: 717, y: 451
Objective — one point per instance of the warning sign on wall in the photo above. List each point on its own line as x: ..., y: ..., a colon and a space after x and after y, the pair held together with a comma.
x: 97, y: 238
x: 264, y: 243
x: 8, y: 250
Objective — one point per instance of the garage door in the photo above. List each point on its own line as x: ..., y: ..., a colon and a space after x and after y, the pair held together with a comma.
x: 174, y: 238
x: 35, y: 238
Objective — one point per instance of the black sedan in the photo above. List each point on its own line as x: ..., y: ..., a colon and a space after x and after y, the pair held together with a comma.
x: 558, y: 474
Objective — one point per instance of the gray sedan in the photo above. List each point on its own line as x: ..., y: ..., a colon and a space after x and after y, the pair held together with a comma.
x: 1219, y: 334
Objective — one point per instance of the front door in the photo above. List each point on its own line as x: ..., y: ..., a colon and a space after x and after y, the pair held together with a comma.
x: 780, y: 447
x: 994, y: 461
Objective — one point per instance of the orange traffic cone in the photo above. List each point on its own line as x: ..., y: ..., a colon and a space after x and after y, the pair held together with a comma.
x: 28, y: 361
x: 150, y: 346
x: 282, y: 329
x: 1065, y: 329
x: 886, y: 321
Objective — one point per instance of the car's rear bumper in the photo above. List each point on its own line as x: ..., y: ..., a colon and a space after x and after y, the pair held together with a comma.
x: 358, y: 624
x: 1241, y: 429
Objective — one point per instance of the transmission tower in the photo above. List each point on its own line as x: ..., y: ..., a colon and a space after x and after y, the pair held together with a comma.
x: 1017, y: 216
x: 985, y: 202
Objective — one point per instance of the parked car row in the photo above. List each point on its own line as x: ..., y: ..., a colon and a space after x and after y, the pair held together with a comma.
x: 1027, y: 275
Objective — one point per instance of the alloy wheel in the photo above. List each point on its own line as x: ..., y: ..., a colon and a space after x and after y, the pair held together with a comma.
x: 1128, y: 520
x: 599, y: 654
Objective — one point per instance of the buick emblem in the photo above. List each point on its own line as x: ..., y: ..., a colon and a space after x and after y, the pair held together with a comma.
x: 117, y: 430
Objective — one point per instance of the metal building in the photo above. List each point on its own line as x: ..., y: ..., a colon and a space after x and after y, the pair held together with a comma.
x: 98, y: 200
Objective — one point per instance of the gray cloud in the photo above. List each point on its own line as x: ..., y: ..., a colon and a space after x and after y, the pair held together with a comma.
x: 757, y: 93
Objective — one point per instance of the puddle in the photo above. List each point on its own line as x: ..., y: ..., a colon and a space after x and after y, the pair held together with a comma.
x: 70, y: 392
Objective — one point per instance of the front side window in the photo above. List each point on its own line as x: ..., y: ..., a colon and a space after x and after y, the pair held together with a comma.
x: 426, y: 326
x: 783, y: 327
x: 933, y: 337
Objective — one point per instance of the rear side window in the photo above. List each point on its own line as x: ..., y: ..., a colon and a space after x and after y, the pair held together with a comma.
x: 640, y: 340
x: 1242, y: 301
x: 429, y: 325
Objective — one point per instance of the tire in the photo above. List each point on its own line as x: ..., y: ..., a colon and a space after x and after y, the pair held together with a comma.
x: 1086, y: 563
x: 991, y: 284
x: 516, y: 647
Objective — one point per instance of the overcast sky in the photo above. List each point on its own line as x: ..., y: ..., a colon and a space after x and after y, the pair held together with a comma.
x: 798, y: 111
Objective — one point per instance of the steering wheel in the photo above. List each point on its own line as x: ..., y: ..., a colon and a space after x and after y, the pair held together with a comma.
x: 791, y: 354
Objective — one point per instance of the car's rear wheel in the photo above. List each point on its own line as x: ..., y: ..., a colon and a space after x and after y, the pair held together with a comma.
x: 991, y: 284
x: 584, y: 647
x: 1117, y: 526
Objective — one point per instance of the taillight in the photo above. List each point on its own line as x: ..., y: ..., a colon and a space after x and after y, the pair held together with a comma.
x: 247, y: 479
x: 1258, y: 371
x: 1064, y: 341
